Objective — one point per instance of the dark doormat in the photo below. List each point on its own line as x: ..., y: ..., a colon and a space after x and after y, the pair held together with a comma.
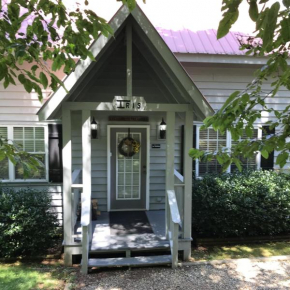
x: 129, y: 223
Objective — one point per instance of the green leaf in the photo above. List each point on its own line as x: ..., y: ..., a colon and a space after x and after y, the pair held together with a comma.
x: 22, y: 78
x: 229, y: 17
x: 195, y: 153
x: 282, y: 159
x: 286, y: 3
x: 230, y: 99
x: 6, y: 82
x: 2, y: 155
x: 249, y: 131
x: 238, y: 163
x: 265, y: 154
x: 253, y: 10
x: 285, y: 29
x: 43, y: 79
x: 269, y: 24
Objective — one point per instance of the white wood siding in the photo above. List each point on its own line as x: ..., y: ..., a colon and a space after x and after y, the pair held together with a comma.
x: 218, y: 81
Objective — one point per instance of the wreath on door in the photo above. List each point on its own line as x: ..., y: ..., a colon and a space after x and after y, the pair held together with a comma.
x: 128, y: 146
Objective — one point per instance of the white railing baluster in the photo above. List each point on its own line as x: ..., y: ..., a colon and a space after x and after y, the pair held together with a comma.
x: 174, y: 222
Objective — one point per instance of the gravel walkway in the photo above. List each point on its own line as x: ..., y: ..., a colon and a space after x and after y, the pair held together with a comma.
x: 243, y: 274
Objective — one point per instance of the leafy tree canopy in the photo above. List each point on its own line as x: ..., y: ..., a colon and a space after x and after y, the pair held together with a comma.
x: 42, y: 32
x: 243, y: 108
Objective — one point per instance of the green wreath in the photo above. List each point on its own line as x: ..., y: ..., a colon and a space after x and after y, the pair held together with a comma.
x: 128, y: 147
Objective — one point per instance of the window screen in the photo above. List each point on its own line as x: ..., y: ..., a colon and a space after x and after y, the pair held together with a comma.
x: 210, y: 140
x: 4, y: 170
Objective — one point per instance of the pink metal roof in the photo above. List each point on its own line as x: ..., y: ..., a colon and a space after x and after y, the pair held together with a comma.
x: 201, y: 42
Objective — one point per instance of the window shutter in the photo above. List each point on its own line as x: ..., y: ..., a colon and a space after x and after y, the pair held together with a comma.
x: 55, y: 153
x: 267, y: 164
x: 194, y: 136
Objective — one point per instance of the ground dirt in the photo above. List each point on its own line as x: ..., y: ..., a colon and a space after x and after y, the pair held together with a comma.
x: 243, y: 274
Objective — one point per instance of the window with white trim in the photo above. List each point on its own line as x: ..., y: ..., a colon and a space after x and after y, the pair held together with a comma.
x: 32, y: 140
x: 210, y: 140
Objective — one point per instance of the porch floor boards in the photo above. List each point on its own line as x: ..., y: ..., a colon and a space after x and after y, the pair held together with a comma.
x: 102, y: 239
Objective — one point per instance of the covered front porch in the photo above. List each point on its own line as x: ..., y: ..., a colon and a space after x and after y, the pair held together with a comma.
x: 134, y: 83
x: 171, y: 226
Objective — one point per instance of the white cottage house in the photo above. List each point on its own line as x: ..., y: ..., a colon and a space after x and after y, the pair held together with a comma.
x: 121, y: 136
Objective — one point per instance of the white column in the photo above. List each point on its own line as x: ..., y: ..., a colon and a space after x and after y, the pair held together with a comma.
x: 86, y: 157
x: 187, y: 173
x: 67, y: 181
x: 86, y: 196
x: 170, y: 139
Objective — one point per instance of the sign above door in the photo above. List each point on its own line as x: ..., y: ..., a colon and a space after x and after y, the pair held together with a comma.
x: 124, y: 103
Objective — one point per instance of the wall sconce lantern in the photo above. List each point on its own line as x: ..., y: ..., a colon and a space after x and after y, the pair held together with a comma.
x: 162, y: 129
x: 94, y: 129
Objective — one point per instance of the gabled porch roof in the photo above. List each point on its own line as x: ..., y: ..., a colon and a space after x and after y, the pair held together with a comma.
x: 174, y: 70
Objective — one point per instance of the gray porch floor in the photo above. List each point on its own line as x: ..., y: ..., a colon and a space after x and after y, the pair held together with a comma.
x: 102, y: 239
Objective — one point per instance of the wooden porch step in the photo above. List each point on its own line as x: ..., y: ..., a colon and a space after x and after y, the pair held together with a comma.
x: 135, y: 261
x: 131, y: 246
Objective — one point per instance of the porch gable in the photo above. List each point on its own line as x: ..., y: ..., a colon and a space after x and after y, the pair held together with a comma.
x: 145, y: 37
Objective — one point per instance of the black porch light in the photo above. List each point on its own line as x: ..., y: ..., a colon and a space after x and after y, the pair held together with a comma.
x: 94, y: 129
x: 162, y: 129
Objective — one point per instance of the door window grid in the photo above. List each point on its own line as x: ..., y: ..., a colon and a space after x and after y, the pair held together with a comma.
x: 128, y: 169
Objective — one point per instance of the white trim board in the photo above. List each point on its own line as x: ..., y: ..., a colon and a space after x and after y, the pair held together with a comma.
x: 109, y: 154
x: 222, y: 59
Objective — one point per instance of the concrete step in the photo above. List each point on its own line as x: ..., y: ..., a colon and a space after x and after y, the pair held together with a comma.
x: 135, y: 261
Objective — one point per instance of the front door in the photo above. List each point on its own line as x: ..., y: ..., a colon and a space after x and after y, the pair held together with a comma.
x: 128, y: 168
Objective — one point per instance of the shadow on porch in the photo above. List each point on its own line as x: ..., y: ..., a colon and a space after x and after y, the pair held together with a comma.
x: 104, y: 239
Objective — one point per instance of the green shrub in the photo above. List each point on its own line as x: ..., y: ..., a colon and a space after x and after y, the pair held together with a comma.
x: 27, y: 224
x: 241, y: 204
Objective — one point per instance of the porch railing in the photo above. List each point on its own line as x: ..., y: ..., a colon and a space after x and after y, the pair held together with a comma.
x: 174, y: 221
x: 76, y: 193
x: 179, y: 192
x: 86, y: 229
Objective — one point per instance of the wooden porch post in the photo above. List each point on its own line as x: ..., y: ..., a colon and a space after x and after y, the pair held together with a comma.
x: 187, y: 173
x: 170, y: 139
x: 129, y: 58
x: 67, y: 181
x: 86, y: 196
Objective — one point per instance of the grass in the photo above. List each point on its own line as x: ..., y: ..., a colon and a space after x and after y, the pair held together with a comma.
x: 20, y: 276
x: 241, y: 251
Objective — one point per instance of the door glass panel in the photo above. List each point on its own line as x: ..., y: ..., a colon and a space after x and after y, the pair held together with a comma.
x: 128, y: 171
